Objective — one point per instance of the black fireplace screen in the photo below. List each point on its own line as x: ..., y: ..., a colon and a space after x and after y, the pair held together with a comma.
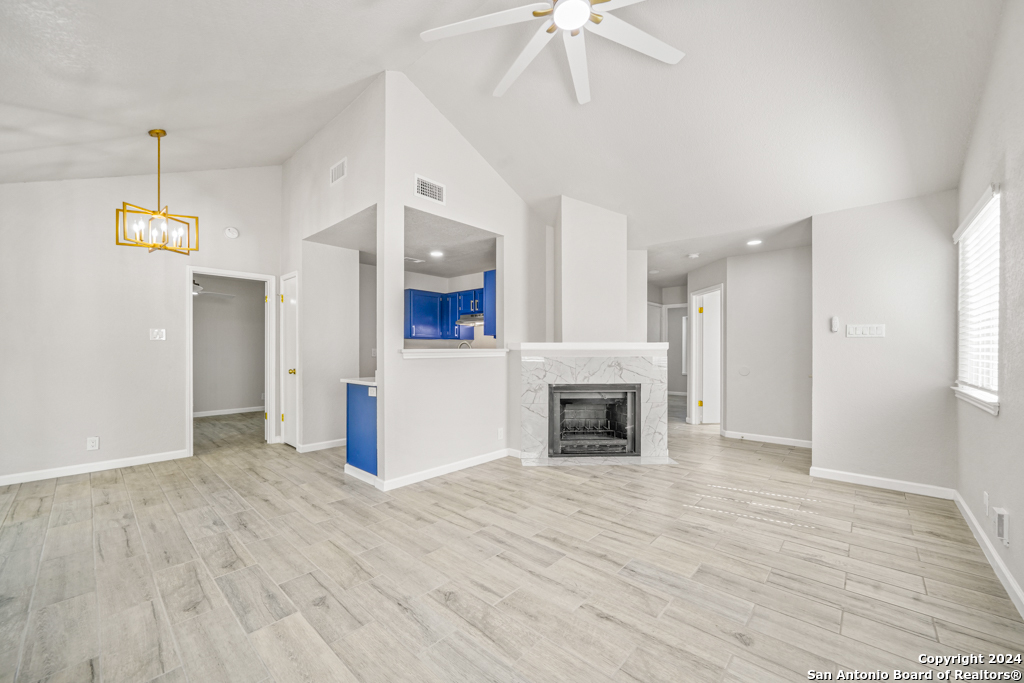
x: 593, y: 419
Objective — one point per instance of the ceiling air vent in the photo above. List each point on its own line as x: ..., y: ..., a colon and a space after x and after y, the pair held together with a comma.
x: 339, y: 171
x: 410, y: 259
x: 430, y: 190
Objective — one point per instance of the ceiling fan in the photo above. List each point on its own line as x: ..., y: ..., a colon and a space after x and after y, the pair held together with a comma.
x: 197, y: 289
x: 571, y: 17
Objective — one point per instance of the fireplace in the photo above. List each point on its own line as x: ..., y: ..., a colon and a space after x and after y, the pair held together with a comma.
x: 593, y: 419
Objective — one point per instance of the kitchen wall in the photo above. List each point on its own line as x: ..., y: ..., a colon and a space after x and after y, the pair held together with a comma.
x: 328, y: 340
x: 228, y: 346
x: 367, y: 320
x: 882, y: 406
x: 437, y: 412
x: 989, y: 446
x: 768, y: 345
x: 79, y: 308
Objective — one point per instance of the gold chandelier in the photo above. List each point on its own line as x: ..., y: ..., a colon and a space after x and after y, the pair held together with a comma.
x: 158, y: 229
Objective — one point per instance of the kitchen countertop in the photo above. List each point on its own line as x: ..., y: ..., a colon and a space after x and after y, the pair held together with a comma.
x: 365, y: 381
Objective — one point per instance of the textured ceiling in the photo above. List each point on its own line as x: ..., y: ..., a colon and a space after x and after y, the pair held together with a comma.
x: 779, y: 110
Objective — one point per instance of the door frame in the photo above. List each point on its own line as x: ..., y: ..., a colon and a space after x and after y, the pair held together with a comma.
x: 298, y: 355
x: 269, y: 347
x: 664, y: 337
x: 697, y: 346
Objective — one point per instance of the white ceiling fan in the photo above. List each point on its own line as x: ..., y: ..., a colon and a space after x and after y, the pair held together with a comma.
x: 571, y: 17
x: 197, y: 289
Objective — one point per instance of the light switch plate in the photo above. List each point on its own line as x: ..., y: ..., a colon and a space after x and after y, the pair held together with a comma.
x: 92, y: 443
x: 373, y: 391
x: 157, y: 335
x: 373, y: 353
x: 865, y: 330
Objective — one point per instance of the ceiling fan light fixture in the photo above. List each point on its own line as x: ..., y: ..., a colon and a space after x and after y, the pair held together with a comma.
x: 571, y: 15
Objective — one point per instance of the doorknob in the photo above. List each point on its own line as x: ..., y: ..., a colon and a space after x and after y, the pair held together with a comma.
x: 292, y: 371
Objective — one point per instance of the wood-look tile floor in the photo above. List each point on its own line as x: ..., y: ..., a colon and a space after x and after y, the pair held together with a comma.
x: 251, y: 562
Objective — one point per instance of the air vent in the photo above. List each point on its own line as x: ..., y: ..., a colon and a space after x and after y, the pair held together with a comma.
x: 410, y: 259
x: 428, y: 189
x: 339, y: 171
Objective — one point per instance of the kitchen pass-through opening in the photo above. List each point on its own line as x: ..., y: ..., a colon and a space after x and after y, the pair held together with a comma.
x: 593, y: 419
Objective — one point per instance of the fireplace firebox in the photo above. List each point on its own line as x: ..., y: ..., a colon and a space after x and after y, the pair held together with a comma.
x: 593, y: 419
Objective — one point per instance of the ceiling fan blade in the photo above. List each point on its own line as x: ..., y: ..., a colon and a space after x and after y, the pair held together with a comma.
x: 609, y: 5
x: 620, y: 32
x: 515, y: 15
x: 576, y: 51
x: 532, y: 49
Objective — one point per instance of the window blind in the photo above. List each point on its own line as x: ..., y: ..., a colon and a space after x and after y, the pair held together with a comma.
x: 978, y: 364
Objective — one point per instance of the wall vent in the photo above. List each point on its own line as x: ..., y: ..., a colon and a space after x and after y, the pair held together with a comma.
x: 339, y: 171
x: 1002, y: 524
x: 410, y: 259
x: 428, y: 189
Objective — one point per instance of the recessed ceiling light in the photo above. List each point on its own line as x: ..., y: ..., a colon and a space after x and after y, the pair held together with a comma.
x: 654, y: 272
x: 437, y: 254
x: 693, y: 256
x: 753, y: 243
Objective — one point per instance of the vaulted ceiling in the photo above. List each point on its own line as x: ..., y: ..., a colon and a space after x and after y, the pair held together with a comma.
x: 781, y: 108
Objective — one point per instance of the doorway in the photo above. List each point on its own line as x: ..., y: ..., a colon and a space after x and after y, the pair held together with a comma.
x: 290, y: 359
x: 706, y: 359
x: 230, y: 348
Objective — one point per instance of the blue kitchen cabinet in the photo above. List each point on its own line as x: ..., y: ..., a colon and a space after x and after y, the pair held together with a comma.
x: 361, y: 414
x: 465, y: 302
x: 422, y: 314
x: 490, y: 303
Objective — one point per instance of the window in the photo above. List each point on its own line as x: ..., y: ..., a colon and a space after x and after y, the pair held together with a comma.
x: 978, y: 363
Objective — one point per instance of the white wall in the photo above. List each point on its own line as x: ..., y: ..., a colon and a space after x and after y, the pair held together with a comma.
x: 78, y: 309
x: 438, y: 412
x: 673, y: 295
x: 228, y: 344
x: 593, y: 273
x: 367, y: 320
x: 676, y: 365
x: 768, y: 326
x: 328, y: 338
x: 883, y: 406
x: 990, y: 447
x: 654, y: 294
x: 636, y: 296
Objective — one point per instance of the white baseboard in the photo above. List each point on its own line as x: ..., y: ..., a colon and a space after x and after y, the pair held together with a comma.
x: 398, y: 482
x: 227, y: 411
x: 67, y: 471
x: 310, y: 447
x: 677, y: 393
x: 359, y: 474
x: 514, y: 453
x: 1002, y: 571
x: 884, y: 483
x: 780, y: 440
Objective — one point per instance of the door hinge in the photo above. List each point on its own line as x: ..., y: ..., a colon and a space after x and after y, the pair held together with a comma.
x: 282, y: 299
x: 282, y: 417
x: 700, y: 310
x: 700, y: 403
x: 266, y: 299
x: 265, y: 416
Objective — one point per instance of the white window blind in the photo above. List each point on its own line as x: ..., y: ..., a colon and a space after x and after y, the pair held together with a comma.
x: 979, y: 299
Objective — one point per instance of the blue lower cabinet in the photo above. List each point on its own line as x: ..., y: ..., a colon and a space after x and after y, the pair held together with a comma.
x: 362, y: 428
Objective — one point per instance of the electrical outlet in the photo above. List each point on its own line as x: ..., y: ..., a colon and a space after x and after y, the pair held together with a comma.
x: 263, y: 397
x: 157, y: 335
x: 92, y: 443
x: 501, y: 433
x: 986, y: 503
x: 373, y: 353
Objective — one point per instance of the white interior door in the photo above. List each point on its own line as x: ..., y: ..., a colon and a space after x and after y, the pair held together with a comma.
x: 711, y: 358
x: 290, y: 332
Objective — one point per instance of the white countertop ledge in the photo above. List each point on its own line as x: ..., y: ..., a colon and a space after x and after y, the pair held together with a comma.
x: 590, y: 346
x: 365, y: 381
x: 420, y: 354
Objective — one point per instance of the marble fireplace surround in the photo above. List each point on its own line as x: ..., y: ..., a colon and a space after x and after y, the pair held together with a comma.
x: 544, y: 364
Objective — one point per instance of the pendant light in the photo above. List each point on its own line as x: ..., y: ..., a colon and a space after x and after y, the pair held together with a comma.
x: 160, y: 229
